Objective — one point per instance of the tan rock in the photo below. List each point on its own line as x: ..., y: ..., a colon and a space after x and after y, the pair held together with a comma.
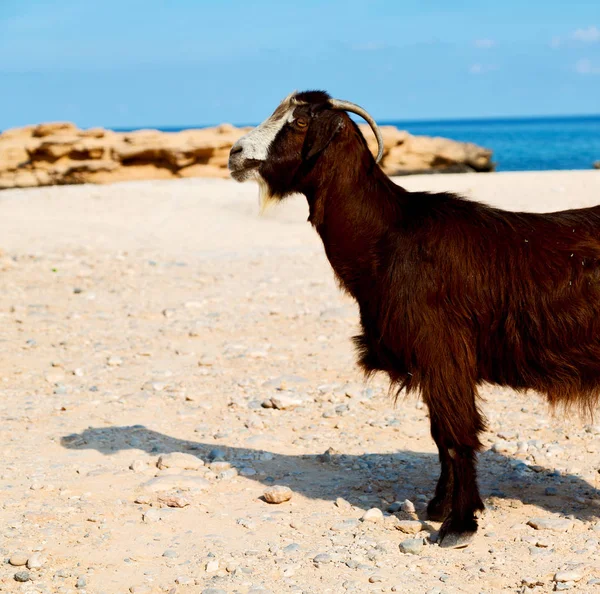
x: 50, y: 128
x: 277, y: 494
x: 60, y: 153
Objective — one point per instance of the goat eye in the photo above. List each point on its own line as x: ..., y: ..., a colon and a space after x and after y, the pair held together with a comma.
x: 301, y: 123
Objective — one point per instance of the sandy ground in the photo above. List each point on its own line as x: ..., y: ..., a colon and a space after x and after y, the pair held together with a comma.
x: 166, y: 324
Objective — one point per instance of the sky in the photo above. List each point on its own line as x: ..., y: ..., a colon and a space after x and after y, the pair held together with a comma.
x: 137, y: 63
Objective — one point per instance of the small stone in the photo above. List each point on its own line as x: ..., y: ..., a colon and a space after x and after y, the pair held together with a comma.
x: 180, y: 460
x: 170, y: 554
x: 138, y: 466
x: 372, y: 515
x: 531, y: 582
x: 551, y: 491
x: 342, y: 503
x: 574, y: 574
x: 213, y: 591
x: 412, y: 546
x: 184, y: 580
x: 174, y: 500
x: 143, y: 499
x: 553, y: 524
x: 151, y: 515
x: 114, y: 361
x: 81, y: 582
x: 408, y: 506
x: 216, y: 454
x: 18, y: 559
x: 219, y: 466
x: 284, y: 402
x: 409, y: 526
x: 374, y: 579
x: 247, y: 471
x: 36, y: 561
x: 395, y: 507
x: 322, y: 558
x: 212, y: 566
x: 22, y: 576
x: 277, y: 494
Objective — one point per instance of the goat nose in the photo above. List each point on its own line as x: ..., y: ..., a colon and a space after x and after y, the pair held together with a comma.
x: 236, y: 148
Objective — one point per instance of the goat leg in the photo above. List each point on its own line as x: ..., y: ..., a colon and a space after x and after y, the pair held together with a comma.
x: 440, y: 506
x: 460, y: 526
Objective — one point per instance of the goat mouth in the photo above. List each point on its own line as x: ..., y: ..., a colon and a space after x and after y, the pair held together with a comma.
x: 244, y: 171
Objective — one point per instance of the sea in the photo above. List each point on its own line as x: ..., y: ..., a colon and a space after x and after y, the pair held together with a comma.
x: 524, y: 144
x: 519, y: 144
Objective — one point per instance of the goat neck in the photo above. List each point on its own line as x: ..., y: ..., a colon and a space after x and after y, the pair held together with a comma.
x: 352, y: 206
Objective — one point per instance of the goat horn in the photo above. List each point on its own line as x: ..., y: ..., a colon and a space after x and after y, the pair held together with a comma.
x: 347, y: 106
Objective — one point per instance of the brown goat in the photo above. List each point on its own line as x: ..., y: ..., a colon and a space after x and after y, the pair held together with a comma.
x: 452, y: 293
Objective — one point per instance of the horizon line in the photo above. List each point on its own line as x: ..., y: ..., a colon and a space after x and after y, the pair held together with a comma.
x: 382, y: 122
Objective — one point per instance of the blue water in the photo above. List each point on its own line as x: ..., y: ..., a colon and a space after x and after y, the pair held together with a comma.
x: 524, y: 144
x: 519, y: 144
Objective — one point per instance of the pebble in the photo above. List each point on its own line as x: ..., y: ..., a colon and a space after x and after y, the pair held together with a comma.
x: 372, y: 515
x: 152, y: 515
x: 342, y: 503
x: 374, y: 579
x: 22, y: 576
x: 81, y: 582
x: 18, y: 559
x: 216, y: 454
x: 412, y: 546
x: 574, y: 574
x: 409, y: 526
x: 36, y: 561
x: 213, y: 591
x: 553, y: 524
x: 174, y: 500
x: 219, y: 466
x: 138, y: 466
x: 284, y: 402
x: 180, y: 460
x: 247, y: 471
x: 277, y: 494
x: 212, y: 566
x: 114, y: 361
x: 170, y: 554
x: 322, y: 558
x: 408, y: 506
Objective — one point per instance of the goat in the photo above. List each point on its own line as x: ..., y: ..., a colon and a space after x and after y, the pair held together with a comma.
x: 452, y: 293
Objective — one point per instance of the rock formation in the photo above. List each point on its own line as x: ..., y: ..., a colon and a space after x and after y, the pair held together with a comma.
x: 61, y: 153
x: 597, y: 165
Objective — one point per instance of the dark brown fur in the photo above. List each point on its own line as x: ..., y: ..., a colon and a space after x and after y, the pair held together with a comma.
x: 452, y: 293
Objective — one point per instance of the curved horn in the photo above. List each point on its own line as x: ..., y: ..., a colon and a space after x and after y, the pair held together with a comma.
x: 347, y: 106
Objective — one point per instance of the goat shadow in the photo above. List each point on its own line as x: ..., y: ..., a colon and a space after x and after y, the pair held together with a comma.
x: 366, y: 480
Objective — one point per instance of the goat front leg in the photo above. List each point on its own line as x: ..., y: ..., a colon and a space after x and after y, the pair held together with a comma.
x: 439, y: 508
x: 456, y: 425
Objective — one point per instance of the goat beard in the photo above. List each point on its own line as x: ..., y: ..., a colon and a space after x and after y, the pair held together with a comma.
x: 265, y: 196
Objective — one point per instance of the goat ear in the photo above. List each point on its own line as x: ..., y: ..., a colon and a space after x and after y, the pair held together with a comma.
x: 322, y: 129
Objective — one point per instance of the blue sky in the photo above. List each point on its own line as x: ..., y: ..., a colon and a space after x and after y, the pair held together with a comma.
x: 134, y: 63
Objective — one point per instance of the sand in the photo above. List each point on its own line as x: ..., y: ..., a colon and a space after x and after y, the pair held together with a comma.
x: 154, y: 318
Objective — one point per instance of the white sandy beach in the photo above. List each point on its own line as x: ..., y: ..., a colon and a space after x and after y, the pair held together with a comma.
x: 146, y: 318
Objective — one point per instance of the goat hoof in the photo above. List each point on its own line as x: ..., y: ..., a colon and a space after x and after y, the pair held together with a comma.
x: 453, y: 537
x: 438, y: 511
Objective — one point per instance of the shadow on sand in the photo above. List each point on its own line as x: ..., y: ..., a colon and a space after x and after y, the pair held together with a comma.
x: 366, y: 480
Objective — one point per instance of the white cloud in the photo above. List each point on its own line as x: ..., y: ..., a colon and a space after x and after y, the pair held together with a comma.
x: 587, y: 35
x: 585, y: 66
x: 484, y: 43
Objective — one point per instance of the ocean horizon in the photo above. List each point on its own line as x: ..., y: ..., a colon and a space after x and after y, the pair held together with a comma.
x: 519, y: 144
